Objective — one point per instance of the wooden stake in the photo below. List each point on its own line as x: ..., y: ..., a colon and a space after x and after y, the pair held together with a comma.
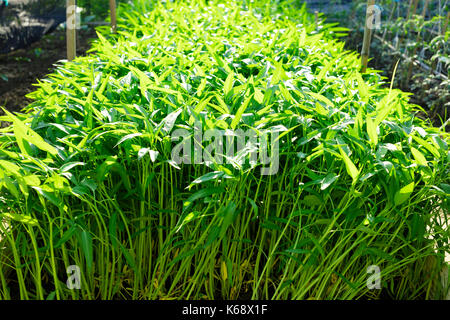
x: 402, y: 35
x: 71, y: 29
x: 409, y: 9
x: 425, y: 7
x: 424, y: 12
x: 416, y: 2
x: 112, y: 9
x: 443, y: 31
x: 367, y: 37
x: 391, y: 16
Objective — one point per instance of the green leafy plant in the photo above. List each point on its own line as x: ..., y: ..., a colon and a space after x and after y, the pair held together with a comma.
x: 87, y: 176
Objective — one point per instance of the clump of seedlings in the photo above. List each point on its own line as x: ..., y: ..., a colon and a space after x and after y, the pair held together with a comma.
x: 91, y: 182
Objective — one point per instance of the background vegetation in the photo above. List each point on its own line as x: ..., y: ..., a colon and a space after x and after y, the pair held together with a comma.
x: 415, y: 34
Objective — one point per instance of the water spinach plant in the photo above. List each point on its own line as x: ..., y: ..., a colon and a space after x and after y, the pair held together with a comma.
x: 88, y: 182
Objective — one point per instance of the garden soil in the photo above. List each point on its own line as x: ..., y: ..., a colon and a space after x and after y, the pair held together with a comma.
x: 20, y: 70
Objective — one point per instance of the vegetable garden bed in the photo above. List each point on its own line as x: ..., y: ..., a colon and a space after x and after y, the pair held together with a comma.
x: 89, y: 180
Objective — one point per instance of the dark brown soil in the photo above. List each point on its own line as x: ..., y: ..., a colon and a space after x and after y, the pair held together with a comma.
x: 20, y: 70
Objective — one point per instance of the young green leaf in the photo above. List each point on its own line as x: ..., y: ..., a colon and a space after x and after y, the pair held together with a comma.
x: 350, y: 166
x: 228, y: 85
x: 372, y: 131
x: 420, y: 159
x: 87, y: 248
x: 403, y: 194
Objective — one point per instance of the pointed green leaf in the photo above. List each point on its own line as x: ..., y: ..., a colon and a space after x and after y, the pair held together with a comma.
x: 349, y: 165
x: 419, y: 157
x: 403, y: 194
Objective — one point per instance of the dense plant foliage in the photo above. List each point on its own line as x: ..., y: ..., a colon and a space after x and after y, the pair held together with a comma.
x: 87, y: 176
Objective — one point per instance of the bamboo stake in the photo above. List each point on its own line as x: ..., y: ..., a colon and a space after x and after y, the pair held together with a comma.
x: 112, y: 9
x: 446, y: 23
x: 409, y: 9
x: 71, y: 29
x: 416, y: 2
x: 402, y: 37
x: 412, y: 9
x: 391, y: 16
x: 367, y: 37
x: 425, y: 7
x: 443, y: 32
x: 424, y: 12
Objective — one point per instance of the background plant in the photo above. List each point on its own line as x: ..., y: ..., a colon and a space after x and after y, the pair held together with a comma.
x: 98, y: 9
x: 417, y: 38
